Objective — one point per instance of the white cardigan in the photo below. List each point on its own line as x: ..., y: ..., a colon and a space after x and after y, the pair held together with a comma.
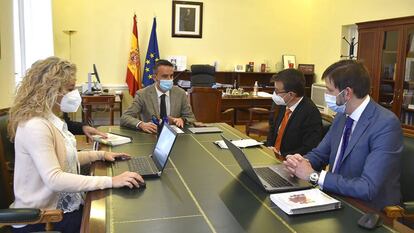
x: 40, y: 154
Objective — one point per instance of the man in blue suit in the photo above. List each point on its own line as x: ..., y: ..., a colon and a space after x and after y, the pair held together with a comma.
x: 362, y: 147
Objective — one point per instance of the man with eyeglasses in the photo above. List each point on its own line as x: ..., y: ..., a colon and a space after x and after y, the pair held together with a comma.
x: 298, y: 126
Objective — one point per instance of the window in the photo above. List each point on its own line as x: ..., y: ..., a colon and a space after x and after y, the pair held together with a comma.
x: 33, y: 33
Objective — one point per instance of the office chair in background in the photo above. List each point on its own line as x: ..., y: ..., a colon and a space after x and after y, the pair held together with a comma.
x: 202, y: 76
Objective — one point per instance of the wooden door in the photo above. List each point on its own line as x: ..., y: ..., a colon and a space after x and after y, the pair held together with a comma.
x: 368, y: 52
x: 406, y: 103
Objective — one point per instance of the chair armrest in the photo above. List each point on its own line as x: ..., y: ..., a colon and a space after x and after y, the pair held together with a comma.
x: 409, y: 207
x: 227, y: 111
x: 29, y: 216
x: 259, y: 110
x: 394, y: 211
x: 19, y: 215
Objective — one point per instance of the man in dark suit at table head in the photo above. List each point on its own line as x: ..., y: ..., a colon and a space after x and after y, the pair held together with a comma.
x: 362, y: 146
x: 298, y: 126
x: 160, y: 100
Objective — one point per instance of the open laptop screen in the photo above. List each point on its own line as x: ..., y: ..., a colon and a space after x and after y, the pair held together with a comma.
x: 164, y: 145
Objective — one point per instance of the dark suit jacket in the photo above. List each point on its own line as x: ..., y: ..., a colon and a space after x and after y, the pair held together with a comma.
x: 370, y: 168
x: 145, y: 105
x: 303, y: 131
x: 73, y: 126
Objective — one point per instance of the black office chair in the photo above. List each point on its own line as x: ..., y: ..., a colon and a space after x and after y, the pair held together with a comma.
x: 11, y: 216
x: 326, y: 123
x: 405, y: 212
x: 202, y: 76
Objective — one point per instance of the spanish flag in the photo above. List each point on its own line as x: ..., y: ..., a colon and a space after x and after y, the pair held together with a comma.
x: 133, y: 76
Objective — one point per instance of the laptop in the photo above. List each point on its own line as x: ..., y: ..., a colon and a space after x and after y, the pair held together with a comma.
x: 154, y: 164
x: 273, y: 178
x: 197, y: 130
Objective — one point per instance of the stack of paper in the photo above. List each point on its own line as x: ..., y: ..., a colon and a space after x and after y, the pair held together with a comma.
x: 176, y: 129
x: 205, y: 130
x: 242, y: 143
x: 184, y: 83
x: 305, y: 201
x: 112, y: 139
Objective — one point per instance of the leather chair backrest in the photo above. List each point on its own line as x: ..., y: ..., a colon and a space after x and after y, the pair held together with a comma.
x: 6, y: 156
x: 202, y: 76
x: 325, y: 127
x: 206, y: 104
x: 407, y: 169
x: 7, y: 144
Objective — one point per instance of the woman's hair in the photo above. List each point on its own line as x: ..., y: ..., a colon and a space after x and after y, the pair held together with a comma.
x: 38, y: 91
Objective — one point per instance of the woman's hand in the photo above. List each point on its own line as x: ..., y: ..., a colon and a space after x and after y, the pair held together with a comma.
x: 110, y: 156
x: 90, y: 132
x: 129, y: 179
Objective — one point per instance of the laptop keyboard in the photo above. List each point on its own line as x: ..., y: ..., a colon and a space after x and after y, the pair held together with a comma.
x: 140, y: 164
x: 271, y: 177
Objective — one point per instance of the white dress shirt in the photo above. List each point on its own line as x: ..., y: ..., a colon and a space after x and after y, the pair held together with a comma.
x: 167, y: 100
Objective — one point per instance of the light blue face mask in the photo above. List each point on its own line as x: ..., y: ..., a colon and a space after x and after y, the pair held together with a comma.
x: 331, y: 103
x: 166, y: 85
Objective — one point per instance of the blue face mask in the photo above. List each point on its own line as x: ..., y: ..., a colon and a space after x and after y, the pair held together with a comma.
x: 332, y: 103
x: 166, y: 85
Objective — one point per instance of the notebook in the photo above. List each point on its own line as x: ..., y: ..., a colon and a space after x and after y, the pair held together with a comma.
x: 241, y: 143
x: 273, y: 178
x: 154, y: 164
x: 205, y: 130
x: 112, y: 139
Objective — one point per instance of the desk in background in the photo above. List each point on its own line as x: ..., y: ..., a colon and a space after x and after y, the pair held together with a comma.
x: 242, y: 104
x: 202, y: 190
x: 108, y: 100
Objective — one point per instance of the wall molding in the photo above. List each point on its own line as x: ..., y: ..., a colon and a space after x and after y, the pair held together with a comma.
x: 113, y: 86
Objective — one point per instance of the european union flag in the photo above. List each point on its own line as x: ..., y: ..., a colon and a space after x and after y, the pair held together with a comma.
x: 153, y: 55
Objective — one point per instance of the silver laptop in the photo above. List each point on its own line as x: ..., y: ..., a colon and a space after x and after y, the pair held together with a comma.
x: 154, y: 164
x: 205, y: 130
x: 273, y: 178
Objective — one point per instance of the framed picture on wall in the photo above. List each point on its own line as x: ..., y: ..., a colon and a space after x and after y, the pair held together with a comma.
x: 239, y: 68
x: 187, y: 19
x: 289, y: 61
x: 306, y: 68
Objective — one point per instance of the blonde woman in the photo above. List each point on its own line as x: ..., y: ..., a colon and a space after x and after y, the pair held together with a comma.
x: 46, y: 174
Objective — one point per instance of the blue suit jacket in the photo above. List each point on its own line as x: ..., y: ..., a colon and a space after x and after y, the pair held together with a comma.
x: 370, y: 168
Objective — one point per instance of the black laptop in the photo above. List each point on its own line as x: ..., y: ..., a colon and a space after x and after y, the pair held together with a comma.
x: 154, y: 164
x: 273, y: 178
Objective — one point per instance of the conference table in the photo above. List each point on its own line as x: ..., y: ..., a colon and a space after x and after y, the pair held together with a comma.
x: 201, y: 190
